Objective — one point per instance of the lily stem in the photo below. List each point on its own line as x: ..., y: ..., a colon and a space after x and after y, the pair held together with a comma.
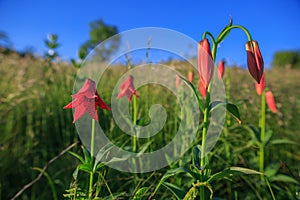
x: 134, y: 142
x: 262, y: 135
x: 92, y: 159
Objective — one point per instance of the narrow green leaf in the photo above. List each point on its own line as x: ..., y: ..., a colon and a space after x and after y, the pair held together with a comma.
x: 115, y: 159
x: 193, y: 171
x: 87, y: 156
x: 232, y: 171
x: 101, y: 153
x: 224, y: 32
x: 75, y: 173
x: 268, y: 135
x: 167, y: 175
x: 178, y: 192
x: 195, y: 92
x: 284, y: 178
x: 254, y: 131
x: 99, y: 166
x: 197, y: 156
x: 140, y: 193
x: 85, y: 167
x: 271, y: 169
x: 50, y: 182
x: 283, y: 141
x: 144, y: 147
x: 77, y: 156
x: 234, y: 111
x: 231, y: 108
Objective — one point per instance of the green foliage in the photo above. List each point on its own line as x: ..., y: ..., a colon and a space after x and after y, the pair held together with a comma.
x: 4, y: 40
x: 34, y: 128
x: 286, y: 59
x: 100, y: 31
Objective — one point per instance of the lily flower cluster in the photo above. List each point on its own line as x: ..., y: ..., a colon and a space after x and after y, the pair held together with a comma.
x: 87, y: 99
x: 255, y: 66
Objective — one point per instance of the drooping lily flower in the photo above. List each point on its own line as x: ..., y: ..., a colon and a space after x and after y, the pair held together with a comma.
x: 259, y: 87
x: 221, y: 69
x: 127, y: 88
x: 271, y: 101
x: 190, y: 76
x: 86, y: 100
x: 254, y: 60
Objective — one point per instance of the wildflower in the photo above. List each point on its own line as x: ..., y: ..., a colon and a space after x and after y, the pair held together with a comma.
x: 205, y: 65
x: 221, y: 69
x: 127, y: 88
x: 190, y: 76
x: 271, y: 101
x: 254, y: 60
x: 205, y: 62
x: 86, y: 100
x: 259, y: 87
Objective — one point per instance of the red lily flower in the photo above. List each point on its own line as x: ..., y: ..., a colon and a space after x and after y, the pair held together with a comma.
x: 221, y: 69
x: 190, y: 76
x: 86, y: 100
x: 205, y: 63
x: 271, y: 101
x: 259, y: 87
x: 127, y: 88
x: 254, y: 60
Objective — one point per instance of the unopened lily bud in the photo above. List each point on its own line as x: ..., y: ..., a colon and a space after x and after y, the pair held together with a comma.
x: 190, y: 76
x: 271, y: 101
x: 254, y: 60
x: 205, y: 64
x: 221, y: 69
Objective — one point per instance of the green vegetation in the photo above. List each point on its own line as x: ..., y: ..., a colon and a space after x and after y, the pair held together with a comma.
x: 287, y: 59
x: 35, y: 128
x: 100, y: 31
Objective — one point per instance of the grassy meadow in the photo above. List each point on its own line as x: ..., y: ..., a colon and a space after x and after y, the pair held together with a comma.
x: 34, y: 128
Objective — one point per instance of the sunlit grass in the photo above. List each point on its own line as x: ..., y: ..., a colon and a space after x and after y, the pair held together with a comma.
x: 34, y: 128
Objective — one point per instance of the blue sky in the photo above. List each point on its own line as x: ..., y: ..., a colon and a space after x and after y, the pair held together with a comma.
x: 274, y: 23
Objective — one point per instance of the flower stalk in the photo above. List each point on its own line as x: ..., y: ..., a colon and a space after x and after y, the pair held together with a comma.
x: 92, y: 159
x: 206, y: 116
x: 262, y: 135
x: 134, y: 140
x: 206, y: 93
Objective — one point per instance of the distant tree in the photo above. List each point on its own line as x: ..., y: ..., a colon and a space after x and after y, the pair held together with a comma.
x: 286, y: 59
x: 100, y: 31
x: 5, y: 41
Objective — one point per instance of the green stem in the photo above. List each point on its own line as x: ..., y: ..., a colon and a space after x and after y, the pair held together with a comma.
x: 203, y: 142
x: 210, y: 35
x: 205, y: 120
x: 204, y: 131
x: 134, y: 141
x: 214, y: 47
x: 227, y: 83
x: 262, y: 134
x: 239, y: 27
x: 92, y: 159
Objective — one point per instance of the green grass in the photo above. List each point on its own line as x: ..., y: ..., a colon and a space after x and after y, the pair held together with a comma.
x: 34, y: 127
